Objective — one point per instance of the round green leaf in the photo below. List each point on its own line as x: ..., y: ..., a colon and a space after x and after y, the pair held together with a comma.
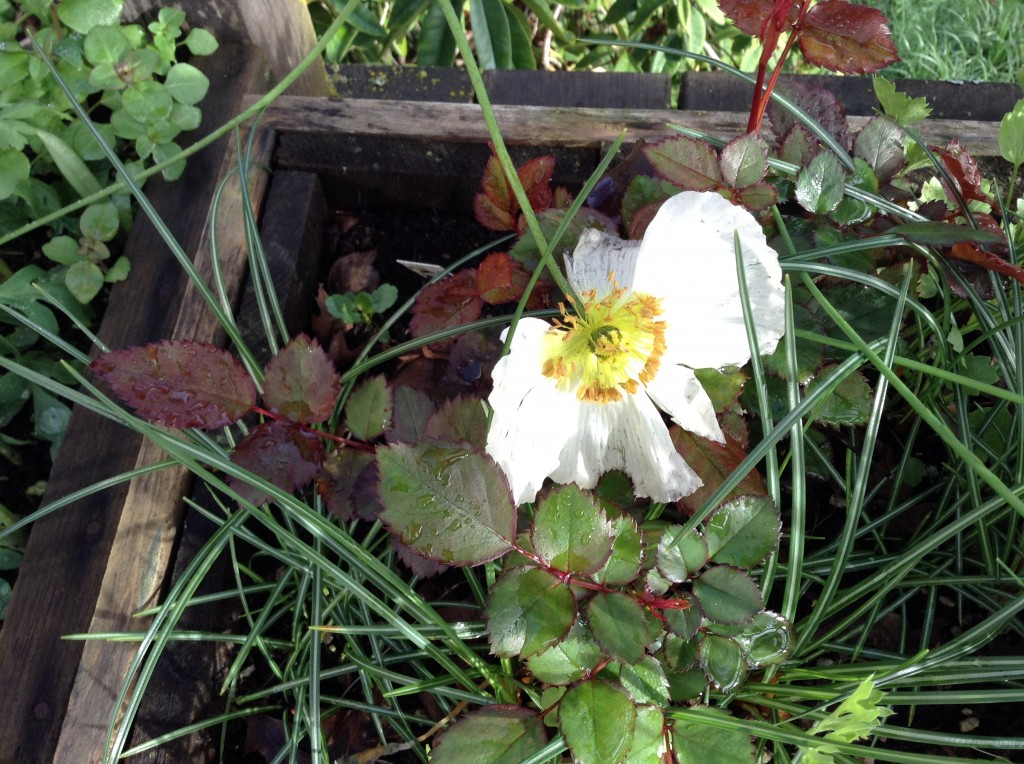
x: 645, y: 681
x: 492, y: 735
x: 201, y: 43
x: 619, y: 624
x: 449, y: 503
x: 84, y: 279
x: 727, y: 595
x: 186, y: 84
x: 148, y: 101
x: 819, y: 186
x: 744, y: 531
x: 186, y: 118
x: 300, y: 383
x: 768, y: 639
x: 722, y: 661
x: 649, y: 732
x: 1011, y: 135
x: 63, y: 250
x: 570, y: 532
x: 100, y: 222
x: 568, y: 661
x: 744, y: 161
x: 119, y: 270
x: 368, y: 409
x: 598, y: 721
x: 163, y: 152
x: 681, y: 554
x: 105, y: 45
x: 83, y: 15
x: 528, y: 610
x: 696, y: 743
x: 623, y: 566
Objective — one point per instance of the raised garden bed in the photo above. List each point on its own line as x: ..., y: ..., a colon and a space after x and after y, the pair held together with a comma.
x: 92, y: 564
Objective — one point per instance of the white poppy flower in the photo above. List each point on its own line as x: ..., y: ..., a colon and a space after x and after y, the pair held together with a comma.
x: 581, y: 396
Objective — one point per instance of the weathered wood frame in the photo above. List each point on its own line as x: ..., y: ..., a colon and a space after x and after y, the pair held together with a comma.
x: 93, y: 564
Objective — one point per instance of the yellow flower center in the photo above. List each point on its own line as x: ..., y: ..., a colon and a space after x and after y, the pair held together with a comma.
x: 606, y: 346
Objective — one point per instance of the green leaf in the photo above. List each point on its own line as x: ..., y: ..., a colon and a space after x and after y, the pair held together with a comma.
x: 528, y: 611
x: 201, y: 43
x: 118, y: 271
x: 722, y: 661
x: 84, y: 279
x: 14, y: 168
x: 880, y: 144
x: 570, y: 532
x: 680, y: 554
x: 744, y: 531
x: 619, y: 624
x: 697, y: 743
x: 491, y: 735
x: 70, y: 164
x: 849, y: 403
x: 163, y: 152
x: 727, y: 595
x: 623, y: 566
x: 855, y: 718
x: 598, y: 721
x: 568, y: 661
x: 368, y: 409
x: 744, y: 161
x: 680, y: 654
x: 491, y: 34
x: 100, y: 222
x: 1011, y: 135
x: 645, y: 681
x: 301, y: 384
x: 648, y: 735
x: 185, y: 118
x: 935, y: 233
x: 767, y: 639
x: 684, y: 622
x: 686, y: 162
x: 105, y: 45
x: 148, y: 101
x: 50, y: 415
x: 461, y: 419
x: 905, y: 110
x: 436, y: 43
x: 520, y: 38
x: 63, y: 250
x: 723, y: 386
x: 819, y: 186
x: 450, y: 504
x: 83, y: 15
x: 186, y: 84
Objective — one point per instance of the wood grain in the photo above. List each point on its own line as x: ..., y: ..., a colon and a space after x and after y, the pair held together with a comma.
x: 551, y: 126
x: 73, y: 553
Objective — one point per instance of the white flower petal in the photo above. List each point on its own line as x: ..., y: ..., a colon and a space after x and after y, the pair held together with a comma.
x: 687, y: 257
x: 532, y: 419
x: 629, y: 435
x: 597, y: 255
x: 678, y: 393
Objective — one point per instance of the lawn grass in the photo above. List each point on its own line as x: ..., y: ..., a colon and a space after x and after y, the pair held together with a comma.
x: 976, y: 40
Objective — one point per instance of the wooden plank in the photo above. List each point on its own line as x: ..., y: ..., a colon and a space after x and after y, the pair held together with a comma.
x: 551, y: 126
x: 401, y: 83
x: 596, y: 90
x: 185, y: 682
x: 282, y: 29
x: 982, y: 101
x: 60, y: 580
x: 137, y: 571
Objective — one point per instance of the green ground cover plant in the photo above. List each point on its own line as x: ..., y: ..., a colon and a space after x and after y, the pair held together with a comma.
x: 830, y: 551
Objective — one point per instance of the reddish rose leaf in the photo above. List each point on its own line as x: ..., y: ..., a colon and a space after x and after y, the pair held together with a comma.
x: 281, y: 453
x: 686, y: 162
x: 843, y: 37
x: 820, y: 103
x: 459, y: 420
x: 970, y: 253
x: 301, y: 383
x: 421, y: 567
x: 500, y: 279
x: 751, y: 16
x: 535, y: 176
x: 495, y: 186
x: 179, y: 383
x: 492, y: 215
x: 964, y: 170
x: 339, y: 482
x: 451, y: 302
x: 713, y: 462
